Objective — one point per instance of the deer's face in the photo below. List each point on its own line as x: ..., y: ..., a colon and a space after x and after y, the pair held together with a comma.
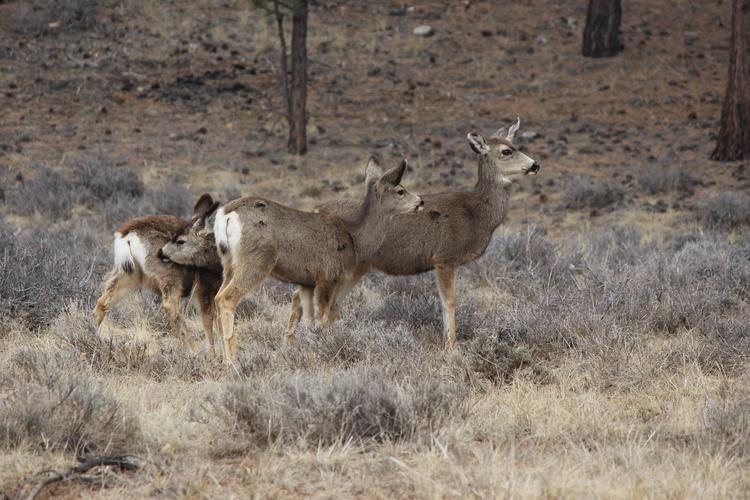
x: 195, y: 245
x: 503, y: 156
x: 397, y: 200
x: 192, y: 247
x: 386, y: 189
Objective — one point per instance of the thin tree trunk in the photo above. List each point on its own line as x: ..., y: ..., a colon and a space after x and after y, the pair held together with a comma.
x: 298, y: 122
x: 734, y: 135
x: 601, y: 37
x: 284, y: 67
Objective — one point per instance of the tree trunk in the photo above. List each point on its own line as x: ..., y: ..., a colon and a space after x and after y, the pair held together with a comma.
x: 601, y: 37
x: 734, y: 135
x: 298, y: 119
x: 284, y: 66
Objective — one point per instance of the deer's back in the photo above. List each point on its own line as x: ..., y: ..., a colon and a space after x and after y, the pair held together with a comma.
x: 153, y: 232
x: 156, y: 226
x: 308, y: 246
x: 448, y: 230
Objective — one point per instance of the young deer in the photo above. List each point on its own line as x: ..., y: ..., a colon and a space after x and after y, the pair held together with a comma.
x: 138, y: 265
x: 257, y: 238
x: 454, y: 227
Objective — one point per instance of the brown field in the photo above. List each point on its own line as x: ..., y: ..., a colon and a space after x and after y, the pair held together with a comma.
x: 604, y: 338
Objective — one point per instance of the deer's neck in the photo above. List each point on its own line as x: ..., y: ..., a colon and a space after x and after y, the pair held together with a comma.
x: 490, y: 196
x: 367, y: 229
x: 209, y: 258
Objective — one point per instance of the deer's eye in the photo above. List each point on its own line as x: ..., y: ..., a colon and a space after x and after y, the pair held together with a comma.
x: 400, y: 191
x: 180, y: 242
x: 506, y: 152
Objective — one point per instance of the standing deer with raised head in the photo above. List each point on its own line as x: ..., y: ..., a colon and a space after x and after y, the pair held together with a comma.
x: 138, y: 265
x: 257, y: 238
x: 454, y: 227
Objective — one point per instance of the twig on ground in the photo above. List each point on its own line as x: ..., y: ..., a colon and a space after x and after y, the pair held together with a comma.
x: 76, y: 473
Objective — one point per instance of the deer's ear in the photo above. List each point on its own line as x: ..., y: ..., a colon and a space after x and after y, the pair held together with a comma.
x: 203, y: 205
x: 394, y: 175
x: 477, y: 143
x: 513, y: 129
x: 374, y: 171
x: 508, y: 132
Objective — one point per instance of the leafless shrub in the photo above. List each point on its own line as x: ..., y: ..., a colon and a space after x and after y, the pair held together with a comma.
x: 49, y: 193
x: 51, y: 407
x: 583, y: 192
x: 727, y: 424
x: 54, y: 193
x: 112, y: 194
x: 360, y: 404
x: 563, y: 296
x: 98, y: 182
x: 77, y: 337
x: 498, y: 360
x: 512, y: 255
x: 658, y: 180
x: 41, y: 271
x: 724, y: 344
x: 170, y: 198
x: 725, y: 212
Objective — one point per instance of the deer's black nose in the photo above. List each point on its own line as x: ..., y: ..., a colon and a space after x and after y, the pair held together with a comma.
x: 162, y: 257
x: 535, y: 167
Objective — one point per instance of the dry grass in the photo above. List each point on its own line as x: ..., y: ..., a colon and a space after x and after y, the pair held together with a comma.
x: 605, y: 364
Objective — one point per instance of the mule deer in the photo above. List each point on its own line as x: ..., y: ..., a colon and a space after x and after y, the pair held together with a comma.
x: 454, y: 227
x: 138, y: 265
x: 257, y: 238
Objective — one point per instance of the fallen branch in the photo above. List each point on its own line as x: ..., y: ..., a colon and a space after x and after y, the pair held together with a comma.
x: 76, y: 473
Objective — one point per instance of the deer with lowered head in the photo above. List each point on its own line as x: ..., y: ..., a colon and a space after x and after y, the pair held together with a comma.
x: 138, y: 265
x: 257, y: 238
x: 452, y: 229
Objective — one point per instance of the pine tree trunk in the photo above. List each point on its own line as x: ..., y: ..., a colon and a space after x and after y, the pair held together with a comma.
x: 601, y: 37
x: 284, y: 66
x: 734, y: 135
x: 298, y: 121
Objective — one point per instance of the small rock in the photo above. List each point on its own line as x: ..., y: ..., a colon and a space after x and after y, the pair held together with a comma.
x: 541, y: 39
x: 424, y: 30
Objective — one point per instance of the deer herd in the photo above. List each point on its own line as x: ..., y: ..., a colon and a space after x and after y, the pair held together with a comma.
x: 225, y: 251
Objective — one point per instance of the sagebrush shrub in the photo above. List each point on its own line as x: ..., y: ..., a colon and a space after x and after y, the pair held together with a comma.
x: 360, y: 404
x: 43, y: 270
x: 51, y: 405
x: 656, y: 180
x: 725, y: 211
x: 583, y: 192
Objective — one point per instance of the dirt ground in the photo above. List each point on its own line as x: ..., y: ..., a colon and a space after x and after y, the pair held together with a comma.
x: 192, y: 93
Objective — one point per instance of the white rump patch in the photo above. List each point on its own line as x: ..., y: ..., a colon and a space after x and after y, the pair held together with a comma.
x: 234, y: 232
x: 129, y: 252
x: 227, y: 232
x: 220, y: 229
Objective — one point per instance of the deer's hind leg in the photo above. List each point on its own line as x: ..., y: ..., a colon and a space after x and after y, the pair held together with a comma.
x: 205, y: 291
x: 324, y: 297
x: 170, y: 301
x: 301, y: 305
x: 446, y: 282
x: 118, y: 285
x: 345, y: 287
x: 243, y: 279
